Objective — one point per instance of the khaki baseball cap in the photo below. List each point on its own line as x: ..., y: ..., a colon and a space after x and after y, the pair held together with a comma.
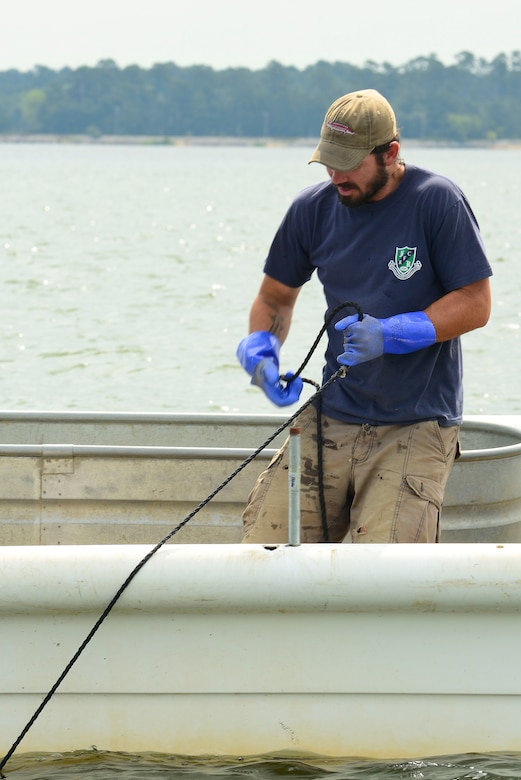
x: 353, y: 126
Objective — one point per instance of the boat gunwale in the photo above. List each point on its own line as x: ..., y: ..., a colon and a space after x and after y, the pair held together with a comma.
x: 69, y: 450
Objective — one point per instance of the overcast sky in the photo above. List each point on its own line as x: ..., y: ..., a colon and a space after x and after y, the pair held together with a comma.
x: 250, y: 33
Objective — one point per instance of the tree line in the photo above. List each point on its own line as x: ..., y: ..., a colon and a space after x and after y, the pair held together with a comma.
x: 470, y: 100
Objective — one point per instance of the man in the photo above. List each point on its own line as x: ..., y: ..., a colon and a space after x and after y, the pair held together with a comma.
x: 404, y: 245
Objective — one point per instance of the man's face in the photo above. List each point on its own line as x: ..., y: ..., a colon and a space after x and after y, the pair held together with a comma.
x: 365, y: 183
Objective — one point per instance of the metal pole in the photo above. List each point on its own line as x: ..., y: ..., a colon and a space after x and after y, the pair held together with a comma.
x: 294, y: 487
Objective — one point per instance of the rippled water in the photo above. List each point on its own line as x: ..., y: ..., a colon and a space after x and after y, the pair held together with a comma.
x: 104, y: 766
x: 127, y: 273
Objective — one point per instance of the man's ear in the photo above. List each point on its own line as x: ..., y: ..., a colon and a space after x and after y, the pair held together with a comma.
x: 392, y: 153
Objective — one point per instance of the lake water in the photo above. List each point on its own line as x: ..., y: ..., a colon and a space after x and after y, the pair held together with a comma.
x: 104, y: 766
x: 127, y: 273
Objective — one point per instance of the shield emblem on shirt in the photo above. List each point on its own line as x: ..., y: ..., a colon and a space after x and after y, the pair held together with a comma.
x: 404, y: 264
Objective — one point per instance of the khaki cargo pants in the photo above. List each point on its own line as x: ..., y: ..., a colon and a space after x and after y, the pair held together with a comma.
x: 382, y: 483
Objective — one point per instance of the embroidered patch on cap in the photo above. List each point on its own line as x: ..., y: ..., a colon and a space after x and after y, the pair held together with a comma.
x: 339, y: 128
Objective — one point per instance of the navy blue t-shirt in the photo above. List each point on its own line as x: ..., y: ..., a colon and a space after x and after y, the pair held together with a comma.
x: 396, y: 255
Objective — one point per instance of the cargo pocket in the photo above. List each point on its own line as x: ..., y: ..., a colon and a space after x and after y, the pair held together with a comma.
x: 427, y: 489
x: 421, y: 511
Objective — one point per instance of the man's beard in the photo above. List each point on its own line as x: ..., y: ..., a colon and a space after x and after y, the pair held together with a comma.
x: 372, y: 188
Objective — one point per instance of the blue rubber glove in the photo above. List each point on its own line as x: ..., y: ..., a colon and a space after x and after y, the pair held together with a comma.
x: 370, y: 338
x: 258, y: 354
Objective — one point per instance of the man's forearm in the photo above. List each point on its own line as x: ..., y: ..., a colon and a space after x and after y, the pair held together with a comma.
x: 460, y: 311
x: 270, y: 316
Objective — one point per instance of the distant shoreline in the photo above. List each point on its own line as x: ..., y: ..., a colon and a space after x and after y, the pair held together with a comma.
x: 157, y: 140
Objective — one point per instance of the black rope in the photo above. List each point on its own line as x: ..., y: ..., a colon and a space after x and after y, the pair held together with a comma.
x: 327, y: 321
x: 340, y: 373
x: 320, y: 467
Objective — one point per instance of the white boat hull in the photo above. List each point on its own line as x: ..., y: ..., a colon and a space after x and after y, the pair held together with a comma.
x: 392, y: 651
x: 398, y: 651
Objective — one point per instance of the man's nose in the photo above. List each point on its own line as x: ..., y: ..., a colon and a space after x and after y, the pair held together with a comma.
x: 338, y: 177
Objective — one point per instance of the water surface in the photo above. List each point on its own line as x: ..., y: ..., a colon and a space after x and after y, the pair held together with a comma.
x: 103, y: 766
x: 127, y: 273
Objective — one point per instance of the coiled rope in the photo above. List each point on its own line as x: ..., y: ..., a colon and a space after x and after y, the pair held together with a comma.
x: 316, y: 398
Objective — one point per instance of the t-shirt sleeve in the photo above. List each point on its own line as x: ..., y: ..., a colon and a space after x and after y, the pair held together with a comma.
x: 289, y: 257
x: 457, y: 247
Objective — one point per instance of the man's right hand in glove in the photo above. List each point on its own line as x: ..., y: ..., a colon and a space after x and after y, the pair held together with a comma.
x: 258, y: 354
